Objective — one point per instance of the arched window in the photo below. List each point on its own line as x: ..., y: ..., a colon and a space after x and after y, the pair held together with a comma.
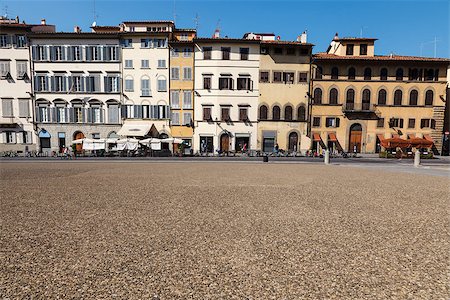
x: 413, y: 74
x: 399, y: 74
x: 317, y: 96
x: 333, y: 96
x: 382, y: 97
x: 429, y: 97
x: 288, y: 113
x: 413, y: 96
x: 367, y: 74
x: 351, y: 73
x: 366, y: 99
x: 429, y: 75
x: 334, y: 73
x: 398, y: 95
x: 301, y: 113
x: 263, y: 112
x: 383, y: 74
x: 350, y: 99
x: 319, y: 72
x: 276, y: 112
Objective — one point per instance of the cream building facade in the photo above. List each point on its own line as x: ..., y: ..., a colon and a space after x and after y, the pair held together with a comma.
x: 360, y: 98
x: 226, y: 94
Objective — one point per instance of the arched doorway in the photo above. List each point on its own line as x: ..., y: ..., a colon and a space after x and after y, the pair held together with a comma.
x: 44, y: 141
x: 355, y: 138
x: 164, y: 146
x: 293, y: 141
x: 225, y: 142
x: 76, y: 136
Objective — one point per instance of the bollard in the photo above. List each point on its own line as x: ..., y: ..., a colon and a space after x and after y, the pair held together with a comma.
x: 265, y: 158
x: 327, y: 157
x: 417, y: 159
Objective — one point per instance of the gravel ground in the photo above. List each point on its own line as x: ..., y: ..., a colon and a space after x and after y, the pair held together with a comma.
x: 221, y: 231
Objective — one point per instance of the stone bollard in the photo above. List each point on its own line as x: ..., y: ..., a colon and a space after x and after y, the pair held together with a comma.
x: 265, y: 158
x: 417, y: 159
x: 327, y: 157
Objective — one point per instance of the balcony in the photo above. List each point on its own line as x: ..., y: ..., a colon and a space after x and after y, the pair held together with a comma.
x: 360, y: 111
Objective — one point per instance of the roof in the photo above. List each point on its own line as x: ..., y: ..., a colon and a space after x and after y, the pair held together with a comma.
x: 74, y: 34
x: 276, y: 42
x: 105, y: 27
x: 356, y: 39
x: 255, y: 33
x: 148, y: 22
x: 185, y: 29
x: 326, y: 56
x: 225, y: 40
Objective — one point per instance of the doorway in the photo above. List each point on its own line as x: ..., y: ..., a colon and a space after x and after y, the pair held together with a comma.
x: 293, y: 141
x: 76, y: 136
x: 44, y: 141
x: 355, y: 138
x: 224, y: 143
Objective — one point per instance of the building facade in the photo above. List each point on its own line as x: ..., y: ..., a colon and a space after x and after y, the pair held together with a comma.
x: 182, y: 85
x: 76, y: 86
x: 284, y: 84
x: 226, y: 94
x: 17, y: 132
x: 360, y: 98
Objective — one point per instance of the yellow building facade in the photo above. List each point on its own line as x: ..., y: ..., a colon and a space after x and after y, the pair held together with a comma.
x: 284, y: 82
x: 360, y: 98
x: 182, y: 85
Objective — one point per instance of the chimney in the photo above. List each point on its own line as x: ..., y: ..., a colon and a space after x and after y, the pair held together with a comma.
x: 303, y: 37
x: 336, y: 37
x: 43, y: 22
x: 216, y: 34
x: 17, y: 19
x: 77, y: 29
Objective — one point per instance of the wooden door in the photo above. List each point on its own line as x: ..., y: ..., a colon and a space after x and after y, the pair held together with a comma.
x: 355, y: 138
x: 225, y: 143
x: 79, y: 147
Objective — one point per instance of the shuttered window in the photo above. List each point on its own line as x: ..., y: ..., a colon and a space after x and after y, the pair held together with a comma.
x: 7, y: 108
x: 24, y: 108
x: 187, y: 99
x: 175, y: 99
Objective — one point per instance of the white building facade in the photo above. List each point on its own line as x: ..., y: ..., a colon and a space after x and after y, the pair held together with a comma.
x: 226, y: 94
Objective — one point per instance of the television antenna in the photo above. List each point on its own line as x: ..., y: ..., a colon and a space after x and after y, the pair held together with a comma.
x: 94, y: 11
x: 174, y: 12
x: 362, y: 30
x: 435, y: 41
x: 196, y: 21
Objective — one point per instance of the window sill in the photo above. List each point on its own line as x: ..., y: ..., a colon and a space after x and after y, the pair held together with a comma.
x: 161, y: 68
x: 144, y: 96
x: 128, y: 68
x: 145, y: 68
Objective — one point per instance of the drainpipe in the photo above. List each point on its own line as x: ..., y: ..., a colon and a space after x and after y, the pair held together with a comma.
x: 309, y: 94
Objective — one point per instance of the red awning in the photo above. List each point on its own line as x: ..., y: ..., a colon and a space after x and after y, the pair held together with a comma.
x: 411, y: 136
x: 332, y: 137
x: 395, y: 142
x: 395, y: 136
x: 316, y: 137
x: 428, y: 138
x: 380, y: 137
x: 420, y: 143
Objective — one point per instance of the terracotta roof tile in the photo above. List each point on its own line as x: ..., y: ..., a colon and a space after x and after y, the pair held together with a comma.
x: 326, y: 56
x: 285, y: 43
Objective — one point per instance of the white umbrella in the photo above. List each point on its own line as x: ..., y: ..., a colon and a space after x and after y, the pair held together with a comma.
x: 111, y: 140
x: 146, y: 141
x: 78, y: 141
x: 167, y: 140
x: 177, y: 141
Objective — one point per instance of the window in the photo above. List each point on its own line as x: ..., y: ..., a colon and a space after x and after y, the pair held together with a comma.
x: 243, y: 114
x: 334, y: 73
x: 276, y: 112
x: 317, y: 98
x: 112, y: 84
x: 413, y: 96
x: 145, y: 87
x: 7, y: 108
x: 75, y: 53
x: 21, y: 41
x: 367, y: 74
x: 263, y: 112
x: 366, y: 99
x: 244, y: 53
x: 187, y: 73
x: 5, y: 41
x: 110, y: 53
x: 427, y: 123
x: 290, y: 51
x: 207, y: 52
x: 399, y: 74
x: 380, y: 123
x: 187, y: 52
x: 126, y: 43
x: 24, y: 108
x: 146, y: 43
x: 398, y: 95
x: 77, y: 83
x: 225, y: 83
x: 207, y: 114
x: 187, y: 99
x: 144, y: 64
x: 56, y: 53
x: 161, y: 63
x: 225, y: 114
x: 244, y: 83
x: 263, y: 76
x: 226, y: 53
x: 207, y: 83
x: 332, y: 122
x: 9, y: 137
x: 184, y: 37
x: 128, y: 64
x: 187, y: 118
x: 302, y: 77
x: 301, y: 113
x: 277, y: 76
x: 162, y: 84
x: 288, y: 77
x: 175, y: 73
x: 94, y: 53
x: 26, y: 137
x: 93, y: 83
x: 414, y: 74
x: 351, y: 73
x: 349, y: 49
x: 383, y: 74
x: 396, y: 122
x: 278, y: 51
x: 333, y: 96
x: 288, y: 113
x: 363, y: 49
x: 350, y: 100
x: 61, y: 113
x: 319, y: 73
x: 129, y: 85
x: 175, y: 99
x: 316, y: 122
x: 429, y: 98
x: 175, y: 118
x: 113, y: 113
x: 382, y: 97
x: 411, y: 123
x: 4, y: 69
x: 175, y: 52
x: 264, y: 50
x: 58, y: 83
x: 41, y: 83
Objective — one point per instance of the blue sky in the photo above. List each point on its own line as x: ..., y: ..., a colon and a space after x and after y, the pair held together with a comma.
x: 402, y: 27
